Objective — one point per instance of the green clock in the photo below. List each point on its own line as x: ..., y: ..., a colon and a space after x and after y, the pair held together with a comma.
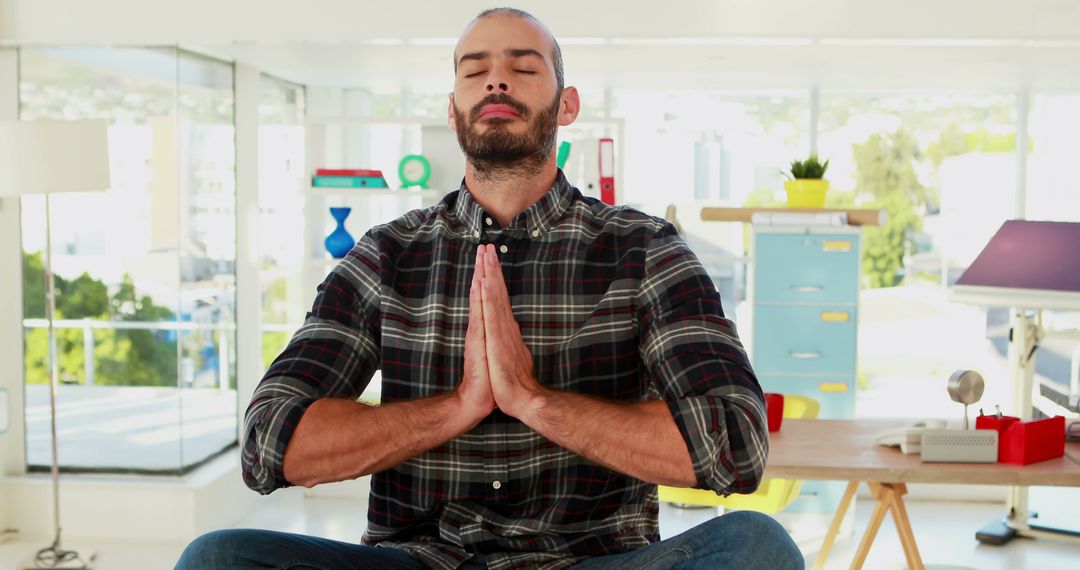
x: 414, y: 170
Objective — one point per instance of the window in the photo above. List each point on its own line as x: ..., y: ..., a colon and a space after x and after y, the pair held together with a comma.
x: 688, y: 147
x: 145, y: 272
x: 282, y: 108
x: 943, y: 167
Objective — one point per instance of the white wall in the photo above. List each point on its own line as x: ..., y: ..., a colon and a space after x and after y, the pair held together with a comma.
x: 11, y: 358
x: 169, y: 21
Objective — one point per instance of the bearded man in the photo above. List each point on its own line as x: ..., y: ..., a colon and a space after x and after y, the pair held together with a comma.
x: 546, y: 361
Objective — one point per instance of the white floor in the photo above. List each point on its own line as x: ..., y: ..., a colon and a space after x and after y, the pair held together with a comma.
x: 944, y: 532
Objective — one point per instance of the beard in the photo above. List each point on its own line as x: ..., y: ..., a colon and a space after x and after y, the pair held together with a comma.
x: 497, y: 151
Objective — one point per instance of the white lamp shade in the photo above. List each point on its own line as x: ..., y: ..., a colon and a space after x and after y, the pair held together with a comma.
x: 38, y: 157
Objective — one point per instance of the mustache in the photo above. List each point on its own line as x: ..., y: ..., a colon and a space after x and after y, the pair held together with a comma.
x: 498, y: 99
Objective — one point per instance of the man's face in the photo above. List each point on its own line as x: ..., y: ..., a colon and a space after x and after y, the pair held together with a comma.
x: 506, y: 103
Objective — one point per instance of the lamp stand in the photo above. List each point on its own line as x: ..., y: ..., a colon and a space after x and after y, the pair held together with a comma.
x: 55, y: 556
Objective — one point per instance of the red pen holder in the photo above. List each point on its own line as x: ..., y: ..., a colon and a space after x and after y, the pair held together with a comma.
x: 774, y: 406
x: 1022, y: 443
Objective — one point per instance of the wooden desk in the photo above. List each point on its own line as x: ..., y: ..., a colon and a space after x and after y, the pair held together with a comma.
x: 845, y: 450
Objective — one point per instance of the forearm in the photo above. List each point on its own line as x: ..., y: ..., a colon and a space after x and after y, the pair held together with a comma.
x: 639, y: 439
x: 340, y: 439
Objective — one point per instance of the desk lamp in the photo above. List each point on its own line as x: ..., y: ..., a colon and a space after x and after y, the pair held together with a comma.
x: 1027, y: 267
x: 46, y: 157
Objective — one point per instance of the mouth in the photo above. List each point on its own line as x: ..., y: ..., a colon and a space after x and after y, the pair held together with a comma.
x: 498, y: 112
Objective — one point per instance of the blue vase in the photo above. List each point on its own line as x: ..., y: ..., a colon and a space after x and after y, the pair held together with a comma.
x: 339, y: 242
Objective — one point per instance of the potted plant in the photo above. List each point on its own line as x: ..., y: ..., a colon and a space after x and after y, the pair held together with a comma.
x: 806, y: 187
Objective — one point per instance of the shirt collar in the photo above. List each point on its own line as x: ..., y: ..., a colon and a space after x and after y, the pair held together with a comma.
x: 536, y: 220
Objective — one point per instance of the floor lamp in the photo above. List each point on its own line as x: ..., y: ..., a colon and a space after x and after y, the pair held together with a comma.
x: 46, y: 157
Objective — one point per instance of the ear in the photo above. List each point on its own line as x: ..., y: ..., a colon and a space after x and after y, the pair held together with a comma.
x: 570, y: 106
x: 450, y: 115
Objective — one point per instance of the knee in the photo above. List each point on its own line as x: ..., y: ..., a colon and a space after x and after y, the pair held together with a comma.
x: 214, y: 549
x: 766, y: 543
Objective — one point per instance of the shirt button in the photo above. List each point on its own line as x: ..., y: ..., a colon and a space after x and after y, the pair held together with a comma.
x: 496, y: 484
x: 476, y: 233
x: 503, y: 249
x: 536, y: 233
x: 487, y: 221
x: 478, y: 519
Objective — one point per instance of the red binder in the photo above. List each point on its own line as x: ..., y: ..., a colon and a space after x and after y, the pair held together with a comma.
x: 607, y: 170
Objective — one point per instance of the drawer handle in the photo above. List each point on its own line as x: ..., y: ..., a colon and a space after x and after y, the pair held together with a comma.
x: 835, y: 316
x: 833, y: 387
x: 805, y: 355
x: 807, y: 288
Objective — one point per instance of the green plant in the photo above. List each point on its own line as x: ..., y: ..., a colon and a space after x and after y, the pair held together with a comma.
x: 809, y: 168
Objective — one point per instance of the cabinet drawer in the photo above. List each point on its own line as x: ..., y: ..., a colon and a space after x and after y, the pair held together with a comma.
x: 804, y: 340
x: 806, y: 268
x: 836, y: 395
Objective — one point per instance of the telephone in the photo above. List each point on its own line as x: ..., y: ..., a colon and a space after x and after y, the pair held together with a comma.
x: 909, y: 438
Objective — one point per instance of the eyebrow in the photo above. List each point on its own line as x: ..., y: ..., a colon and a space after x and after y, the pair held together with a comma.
x: 511, y: 52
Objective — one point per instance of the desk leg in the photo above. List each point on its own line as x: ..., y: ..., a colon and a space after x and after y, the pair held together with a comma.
x: 884, y: 495
x: 834, y: 528
x: 903, y: 527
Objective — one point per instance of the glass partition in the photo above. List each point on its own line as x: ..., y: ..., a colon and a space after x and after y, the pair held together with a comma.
x: 145, y: 272
x: 282, y: 109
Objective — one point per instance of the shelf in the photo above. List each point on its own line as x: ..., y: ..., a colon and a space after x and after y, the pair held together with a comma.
x: 855, y: 217
x: 373, y: 192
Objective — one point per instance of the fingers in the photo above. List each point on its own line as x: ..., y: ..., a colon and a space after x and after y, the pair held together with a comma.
x: 476, y: 305
x: 498, y: 317
x: 476, y: 310
x: 492, y: 320
x: 492, y: 267
x: 478, y: 268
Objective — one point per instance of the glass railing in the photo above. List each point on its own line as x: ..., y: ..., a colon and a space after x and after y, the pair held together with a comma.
x: 116, y: 414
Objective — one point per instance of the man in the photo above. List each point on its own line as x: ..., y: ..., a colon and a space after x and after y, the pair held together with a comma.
x: 546, y: 361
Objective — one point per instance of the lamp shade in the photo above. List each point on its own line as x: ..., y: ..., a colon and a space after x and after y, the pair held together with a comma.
x: 38, y: 157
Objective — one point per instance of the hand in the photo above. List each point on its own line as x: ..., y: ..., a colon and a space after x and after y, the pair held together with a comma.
x: 508, y: 359
x: 474, y: 392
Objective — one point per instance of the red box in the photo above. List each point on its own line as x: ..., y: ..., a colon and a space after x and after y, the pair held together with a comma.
x: 774, y: 405
x: 1022, y: 443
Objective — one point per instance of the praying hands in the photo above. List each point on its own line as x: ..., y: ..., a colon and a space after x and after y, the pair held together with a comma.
x: 498, y: 365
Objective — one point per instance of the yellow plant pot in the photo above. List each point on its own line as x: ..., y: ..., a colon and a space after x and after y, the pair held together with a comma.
x: 806, y: 193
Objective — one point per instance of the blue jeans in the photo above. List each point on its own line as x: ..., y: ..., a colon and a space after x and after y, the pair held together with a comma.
x: 740, y: 540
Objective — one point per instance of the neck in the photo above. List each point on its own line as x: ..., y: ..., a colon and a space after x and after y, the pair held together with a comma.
x: 506, y: 193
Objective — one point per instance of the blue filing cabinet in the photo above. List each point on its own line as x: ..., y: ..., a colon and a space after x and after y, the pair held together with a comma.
x: 804, y: 293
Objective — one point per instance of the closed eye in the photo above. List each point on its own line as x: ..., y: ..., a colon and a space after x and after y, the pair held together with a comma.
x: 474, y: 74
x: 525, y: 71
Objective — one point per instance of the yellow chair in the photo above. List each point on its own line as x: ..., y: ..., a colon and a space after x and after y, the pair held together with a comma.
x: 772, y: 496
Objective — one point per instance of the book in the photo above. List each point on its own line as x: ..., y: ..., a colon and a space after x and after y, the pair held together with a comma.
x: 349, y: 182
x: 348, y: 172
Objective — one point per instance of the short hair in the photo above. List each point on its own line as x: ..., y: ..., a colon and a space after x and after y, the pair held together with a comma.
x: 556, y: 53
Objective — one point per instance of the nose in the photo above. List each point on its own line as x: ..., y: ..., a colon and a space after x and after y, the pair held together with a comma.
x: 496, y: 80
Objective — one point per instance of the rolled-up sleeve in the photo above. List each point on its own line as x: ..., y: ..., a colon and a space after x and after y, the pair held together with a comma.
x: 333, y: 355
x: 699, y: 365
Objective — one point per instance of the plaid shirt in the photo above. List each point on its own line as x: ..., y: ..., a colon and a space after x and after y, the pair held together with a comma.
x: 611, y: 303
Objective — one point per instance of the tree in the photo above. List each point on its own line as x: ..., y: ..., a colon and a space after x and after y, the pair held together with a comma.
x: 33, y: 286
x: 123, y: 357
x: 139, y: 357
x: 885, y: 172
